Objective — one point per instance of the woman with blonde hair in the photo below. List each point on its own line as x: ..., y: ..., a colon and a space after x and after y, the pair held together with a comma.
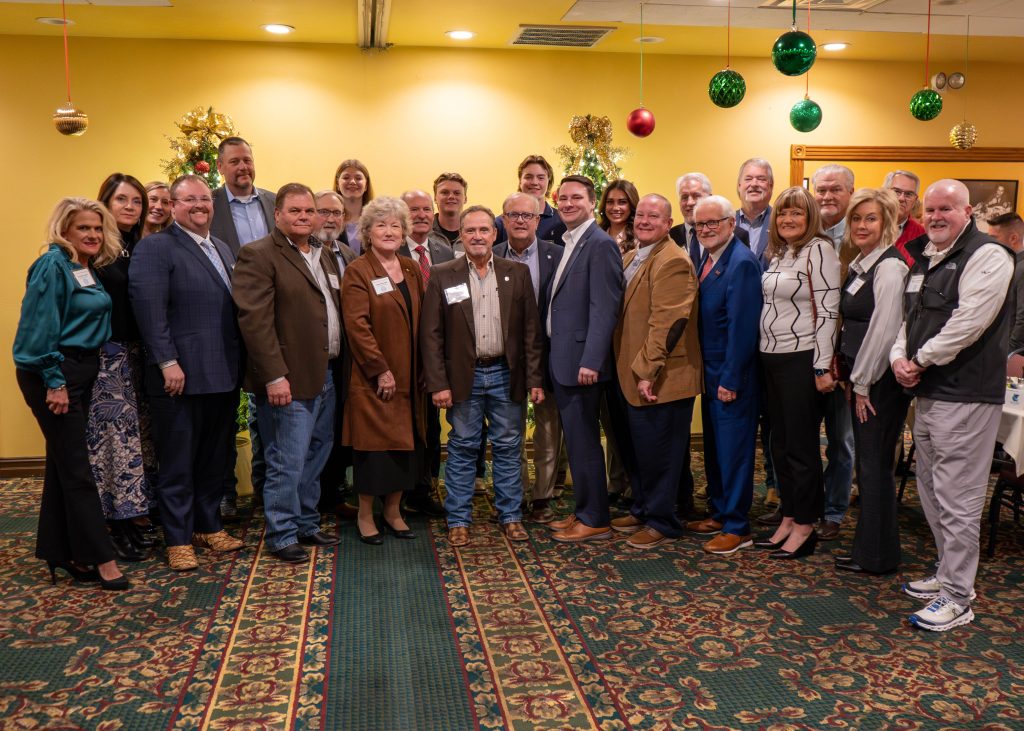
x: 352, y: 183
x: 384, y: 418
x: 872, y: 311
x: 798, y: 333
x: 65, y: 319
x: 158, y: 194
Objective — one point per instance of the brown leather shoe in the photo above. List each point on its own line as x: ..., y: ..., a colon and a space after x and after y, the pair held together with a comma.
x: 706, y: 527
x: 219, y: 541
x: 828, y: 531
x: 626, y: 524
x: 563, y: 523
x: 182, y: 558
x: 726, y: 543
x: 647, y: 537
x: 541, y: 515
x: 580, y: 533
x: 458, y: 536
x: 515, y: 532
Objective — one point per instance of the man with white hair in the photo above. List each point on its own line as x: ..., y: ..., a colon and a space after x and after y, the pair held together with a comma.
x: 690, y: 188
x: 754, y: 186
x: 951, y: 354
x: 730, y: 298
x: 906, y: 185
x: 832, y: 186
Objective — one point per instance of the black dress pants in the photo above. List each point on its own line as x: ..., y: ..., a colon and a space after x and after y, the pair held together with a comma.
x: 795, y: 409
x: 876, y: 544
x: 71, y: 524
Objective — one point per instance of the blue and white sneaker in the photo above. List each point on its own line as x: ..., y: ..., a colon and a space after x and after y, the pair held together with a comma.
x: 927, y: 588
x: 942, y: 614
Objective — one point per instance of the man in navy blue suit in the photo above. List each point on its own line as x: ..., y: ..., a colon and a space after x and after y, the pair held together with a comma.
x: 730, y: 307
x: 583, y: 310
x: 522, y: 213
x: 180, y: 286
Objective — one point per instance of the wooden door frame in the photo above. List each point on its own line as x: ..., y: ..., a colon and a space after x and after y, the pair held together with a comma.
x: 800, y: 154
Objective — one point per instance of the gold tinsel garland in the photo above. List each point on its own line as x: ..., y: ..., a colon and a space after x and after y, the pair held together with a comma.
x: 591, y: 133
x: 201, y: 132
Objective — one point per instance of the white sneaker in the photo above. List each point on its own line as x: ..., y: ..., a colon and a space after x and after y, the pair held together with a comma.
x: 927, y: 588
x: 941, y: 614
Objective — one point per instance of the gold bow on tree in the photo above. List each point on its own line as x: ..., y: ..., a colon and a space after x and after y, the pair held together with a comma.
x: 592, y: 153
x: 195, y: 151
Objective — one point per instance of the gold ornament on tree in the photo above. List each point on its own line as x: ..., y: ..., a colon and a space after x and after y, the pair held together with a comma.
x: 195, y: 151
x: 592, y: 153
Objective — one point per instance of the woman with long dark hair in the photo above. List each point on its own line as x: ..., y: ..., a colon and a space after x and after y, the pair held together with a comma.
x: 616, y: 209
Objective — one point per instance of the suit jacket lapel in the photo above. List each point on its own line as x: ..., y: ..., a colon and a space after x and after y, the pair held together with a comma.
x: 506, y: 289
x: 193, y: 248
x: 295, y: 258
x: 378, y: 271
x: 642, y: 271
x: 720, y: 266
x: 573, y: 257
x: 462, y: 275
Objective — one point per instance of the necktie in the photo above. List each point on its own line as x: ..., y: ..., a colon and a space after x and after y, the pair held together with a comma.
x: 706, y: 270
x: 214, y: 258
x: 424, y: 264
x: 694, y: 247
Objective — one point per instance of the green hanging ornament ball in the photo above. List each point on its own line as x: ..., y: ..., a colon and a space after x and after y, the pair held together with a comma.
x: 805, y: 116
x: 727, y: 88
x: 794, y: 53
x: 926, y: 105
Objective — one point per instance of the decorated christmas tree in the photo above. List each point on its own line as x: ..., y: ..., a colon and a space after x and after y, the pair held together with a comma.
x: 195, y: 151
x: 592, y: 153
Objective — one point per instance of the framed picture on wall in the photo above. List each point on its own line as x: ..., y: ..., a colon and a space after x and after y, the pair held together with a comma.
x: 991, y: 198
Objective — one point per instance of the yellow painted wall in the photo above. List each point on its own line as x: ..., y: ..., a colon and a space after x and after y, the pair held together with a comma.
x: 411, y: 113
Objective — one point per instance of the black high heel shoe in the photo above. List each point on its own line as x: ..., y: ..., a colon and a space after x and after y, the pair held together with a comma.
x: 118, y: 584
x: 82, y: 576
x: 407, y: 533
x: 805, y: 549
x: 769, y: 545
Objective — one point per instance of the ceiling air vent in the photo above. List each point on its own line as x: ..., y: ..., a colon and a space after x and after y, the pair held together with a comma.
x: 562, y: 36
x: 855, y: 5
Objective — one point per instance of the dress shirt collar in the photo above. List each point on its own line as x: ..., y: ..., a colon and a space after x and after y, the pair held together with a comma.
x: 241, y: 198
x: 935, y: 255
x: 572, y: 237
x: 198, y: 238
x: 756, y: 220
x: 528, y: 252
x: 472, y: 265
x: 863, y: 263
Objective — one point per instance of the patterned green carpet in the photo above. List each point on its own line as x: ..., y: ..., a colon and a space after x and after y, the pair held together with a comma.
x: 416, y: 636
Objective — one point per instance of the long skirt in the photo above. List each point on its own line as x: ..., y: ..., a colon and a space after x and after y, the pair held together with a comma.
x: 121, y: 448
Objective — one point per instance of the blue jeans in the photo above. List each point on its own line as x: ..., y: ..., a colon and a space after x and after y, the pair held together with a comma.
x: 504, y: 428
x: 297, y: 441
x: 839, y: 453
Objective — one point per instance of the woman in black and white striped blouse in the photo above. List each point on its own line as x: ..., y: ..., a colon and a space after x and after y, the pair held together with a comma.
x: 798, y: 333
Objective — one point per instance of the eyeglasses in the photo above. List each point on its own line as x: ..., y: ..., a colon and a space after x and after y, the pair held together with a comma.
x: 709, y: 225
x: 328, y: 212
x: 518, y: 216
x: 908, y: 194
x: 193, y: 200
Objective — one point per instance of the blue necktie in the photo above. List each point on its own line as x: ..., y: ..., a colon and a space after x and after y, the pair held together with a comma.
x: 694, y: 247
x: 214, y: 258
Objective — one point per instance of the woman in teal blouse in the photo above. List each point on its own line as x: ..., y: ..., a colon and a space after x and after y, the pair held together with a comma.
x: 65, y: 318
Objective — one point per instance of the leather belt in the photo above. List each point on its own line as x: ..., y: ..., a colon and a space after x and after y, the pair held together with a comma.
x: 488, y: 362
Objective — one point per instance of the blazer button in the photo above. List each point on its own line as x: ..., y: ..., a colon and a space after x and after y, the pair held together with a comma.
x: 325, y: 349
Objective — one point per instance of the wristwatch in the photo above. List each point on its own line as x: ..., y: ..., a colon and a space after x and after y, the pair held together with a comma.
x: 820, y: 372
x: 916, y: 362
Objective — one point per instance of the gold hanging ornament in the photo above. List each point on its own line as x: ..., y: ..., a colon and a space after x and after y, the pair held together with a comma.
x: 963, y: 135
x: 69, y: 119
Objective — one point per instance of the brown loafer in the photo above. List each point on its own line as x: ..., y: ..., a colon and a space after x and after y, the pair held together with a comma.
x: 581, y: 533
x: 725, y: 544
x: 219, y: 541
x: 626, y: 524
x: 182, y: 558
x: 647, y: 538
x: 828, y: 531
x: 458, y: 536
x: 706, y: 527
x: 515, y: 532
x: 563, y: 523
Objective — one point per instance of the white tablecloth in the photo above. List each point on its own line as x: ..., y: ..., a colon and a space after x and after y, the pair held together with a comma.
x: 1011, y: 434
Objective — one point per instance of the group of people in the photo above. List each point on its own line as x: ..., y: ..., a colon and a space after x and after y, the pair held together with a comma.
x: 352, y: 321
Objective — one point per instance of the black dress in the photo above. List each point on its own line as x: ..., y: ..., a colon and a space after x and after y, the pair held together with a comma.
x: 382, y: 473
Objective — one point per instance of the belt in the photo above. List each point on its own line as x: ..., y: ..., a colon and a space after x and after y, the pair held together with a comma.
x: 488, y: 362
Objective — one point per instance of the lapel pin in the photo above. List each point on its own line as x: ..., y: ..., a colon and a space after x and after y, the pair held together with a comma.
x: 506, y: 279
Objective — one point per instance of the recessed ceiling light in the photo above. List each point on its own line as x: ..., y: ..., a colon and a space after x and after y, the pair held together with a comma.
x: 649, y: 39
x: 54, y: 21
x: 278, y: 29
x: 835, y: 46
x: 461, y: 35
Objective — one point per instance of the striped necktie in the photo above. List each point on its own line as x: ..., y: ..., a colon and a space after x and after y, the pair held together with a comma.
x: 421, y: 250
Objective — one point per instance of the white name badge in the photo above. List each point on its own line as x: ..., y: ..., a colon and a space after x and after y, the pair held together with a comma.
x: 855, y: 286
x: 456, y: 294
x: 914, y: 283
x: 382, y: 285
x: 333, y: 279
x: 84, y: 278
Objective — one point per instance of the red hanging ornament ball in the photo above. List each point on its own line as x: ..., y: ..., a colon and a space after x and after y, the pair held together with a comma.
x: 640, y: 122
x: 202, y: 167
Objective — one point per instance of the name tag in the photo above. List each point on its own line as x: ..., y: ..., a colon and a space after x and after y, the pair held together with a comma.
x: 84, y: 278
x: 914, y: 283
x: 456, y: 294
x: 855, y: 286
x: 382, y: 285
x: 333, y: 279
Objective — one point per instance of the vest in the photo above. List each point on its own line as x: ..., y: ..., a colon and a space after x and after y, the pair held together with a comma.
x: 858, y: 307
x: 978, y: 372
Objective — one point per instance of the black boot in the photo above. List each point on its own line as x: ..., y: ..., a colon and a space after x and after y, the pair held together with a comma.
x: 123, y: 548
x: 140, y: 539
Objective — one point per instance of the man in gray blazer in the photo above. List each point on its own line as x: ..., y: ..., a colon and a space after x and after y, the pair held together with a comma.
x: 428, y: 249
x: 242, y: 213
